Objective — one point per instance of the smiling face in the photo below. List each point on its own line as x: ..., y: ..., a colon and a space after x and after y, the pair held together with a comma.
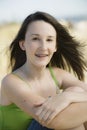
x: 40, y: 43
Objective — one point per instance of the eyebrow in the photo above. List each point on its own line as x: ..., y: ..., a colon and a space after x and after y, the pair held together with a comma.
x: 39, y: 35
x: 35, y: 34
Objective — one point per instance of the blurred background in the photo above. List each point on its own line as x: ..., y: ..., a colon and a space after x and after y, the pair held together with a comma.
x: 71, y: 13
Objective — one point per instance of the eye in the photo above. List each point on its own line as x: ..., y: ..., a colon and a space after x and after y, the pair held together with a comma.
x: 35, y: 38
x: 49, y: 40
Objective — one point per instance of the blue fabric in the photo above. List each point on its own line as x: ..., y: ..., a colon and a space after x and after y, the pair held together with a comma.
x: 37, y: 126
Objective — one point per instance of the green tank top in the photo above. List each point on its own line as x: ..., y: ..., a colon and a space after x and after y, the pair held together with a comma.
x: 13, y: 118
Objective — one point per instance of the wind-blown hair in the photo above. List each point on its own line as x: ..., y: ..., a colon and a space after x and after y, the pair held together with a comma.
x: 68, y: 54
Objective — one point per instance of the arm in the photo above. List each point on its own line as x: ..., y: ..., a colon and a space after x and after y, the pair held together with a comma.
x: 76, y: 113
x: 25, y: 98
x: 21, y: 94
x: 66, y: 116
x: 73, y: 116
x: 72, y: 84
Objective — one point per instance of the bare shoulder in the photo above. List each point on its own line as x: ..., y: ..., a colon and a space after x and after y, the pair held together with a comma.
x: 17, y: 90
x: 6, y: 86
x: 19, y: 93
x: 10, y: 80
x: 60, y: 74
x: 60, y: 71
x: 66, y: 78
x: 64, y: 73
x: 6, y: 80
x: 12, y: 85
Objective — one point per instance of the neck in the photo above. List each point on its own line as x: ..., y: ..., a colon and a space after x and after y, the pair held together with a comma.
x: 33, y: 71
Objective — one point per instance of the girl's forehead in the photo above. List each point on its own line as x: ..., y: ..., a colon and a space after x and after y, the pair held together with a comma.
x: 40, y: 27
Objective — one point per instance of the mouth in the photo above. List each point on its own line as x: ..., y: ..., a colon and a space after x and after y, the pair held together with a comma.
x: 41, y: 55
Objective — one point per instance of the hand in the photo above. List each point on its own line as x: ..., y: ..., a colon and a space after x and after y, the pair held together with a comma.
x: 51, y: 107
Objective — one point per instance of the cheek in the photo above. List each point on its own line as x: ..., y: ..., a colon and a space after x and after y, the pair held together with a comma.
x: 53, y: 48
x: 31, y: 46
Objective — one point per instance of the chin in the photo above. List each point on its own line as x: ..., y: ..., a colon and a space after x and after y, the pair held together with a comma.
x: 41, y: 65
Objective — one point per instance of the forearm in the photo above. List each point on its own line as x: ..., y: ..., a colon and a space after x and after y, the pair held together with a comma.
x: 73, y: 116
x: 81, y: 127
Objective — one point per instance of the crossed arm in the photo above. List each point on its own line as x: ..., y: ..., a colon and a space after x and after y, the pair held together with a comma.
x: 71, y: 116
x: 69, y: 113
x: 74, y: 115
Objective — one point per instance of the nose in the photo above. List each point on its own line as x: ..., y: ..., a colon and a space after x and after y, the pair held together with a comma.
x: 43, y: 45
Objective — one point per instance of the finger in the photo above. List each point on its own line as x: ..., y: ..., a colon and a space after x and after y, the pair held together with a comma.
x: 38, y: 112
x: 43, y: 121
x: 46, y: 116
x: 50, y: 118
x: 44, y: 109
x: 42, y: 115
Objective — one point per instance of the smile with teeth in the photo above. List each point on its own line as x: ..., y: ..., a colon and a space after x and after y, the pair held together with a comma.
x: 41, y: 55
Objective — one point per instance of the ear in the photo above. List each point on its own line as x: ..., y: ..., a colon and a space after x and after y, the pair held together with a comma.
x: 21, y: 44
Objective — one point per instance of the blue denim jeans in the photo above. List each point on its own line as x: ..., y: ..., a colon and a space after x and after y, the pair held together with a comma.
x: 37, y: 126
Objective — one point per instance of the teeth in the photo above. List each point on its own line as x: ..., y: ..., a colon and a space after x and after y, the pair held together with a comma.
x: 42, y: 55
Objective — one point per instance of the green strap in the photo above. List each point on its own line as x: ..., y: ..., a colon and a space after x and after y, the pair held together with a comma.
x: 58, y: 88
x: 53, y: 76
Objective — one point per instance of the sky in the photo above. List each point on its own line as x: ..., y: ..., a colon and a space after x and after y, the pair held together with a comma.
x: 17, y: 10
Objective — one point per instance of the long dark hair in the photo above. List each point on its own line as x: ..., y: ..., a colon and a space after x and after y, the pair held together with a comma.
x: 68, y: 54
